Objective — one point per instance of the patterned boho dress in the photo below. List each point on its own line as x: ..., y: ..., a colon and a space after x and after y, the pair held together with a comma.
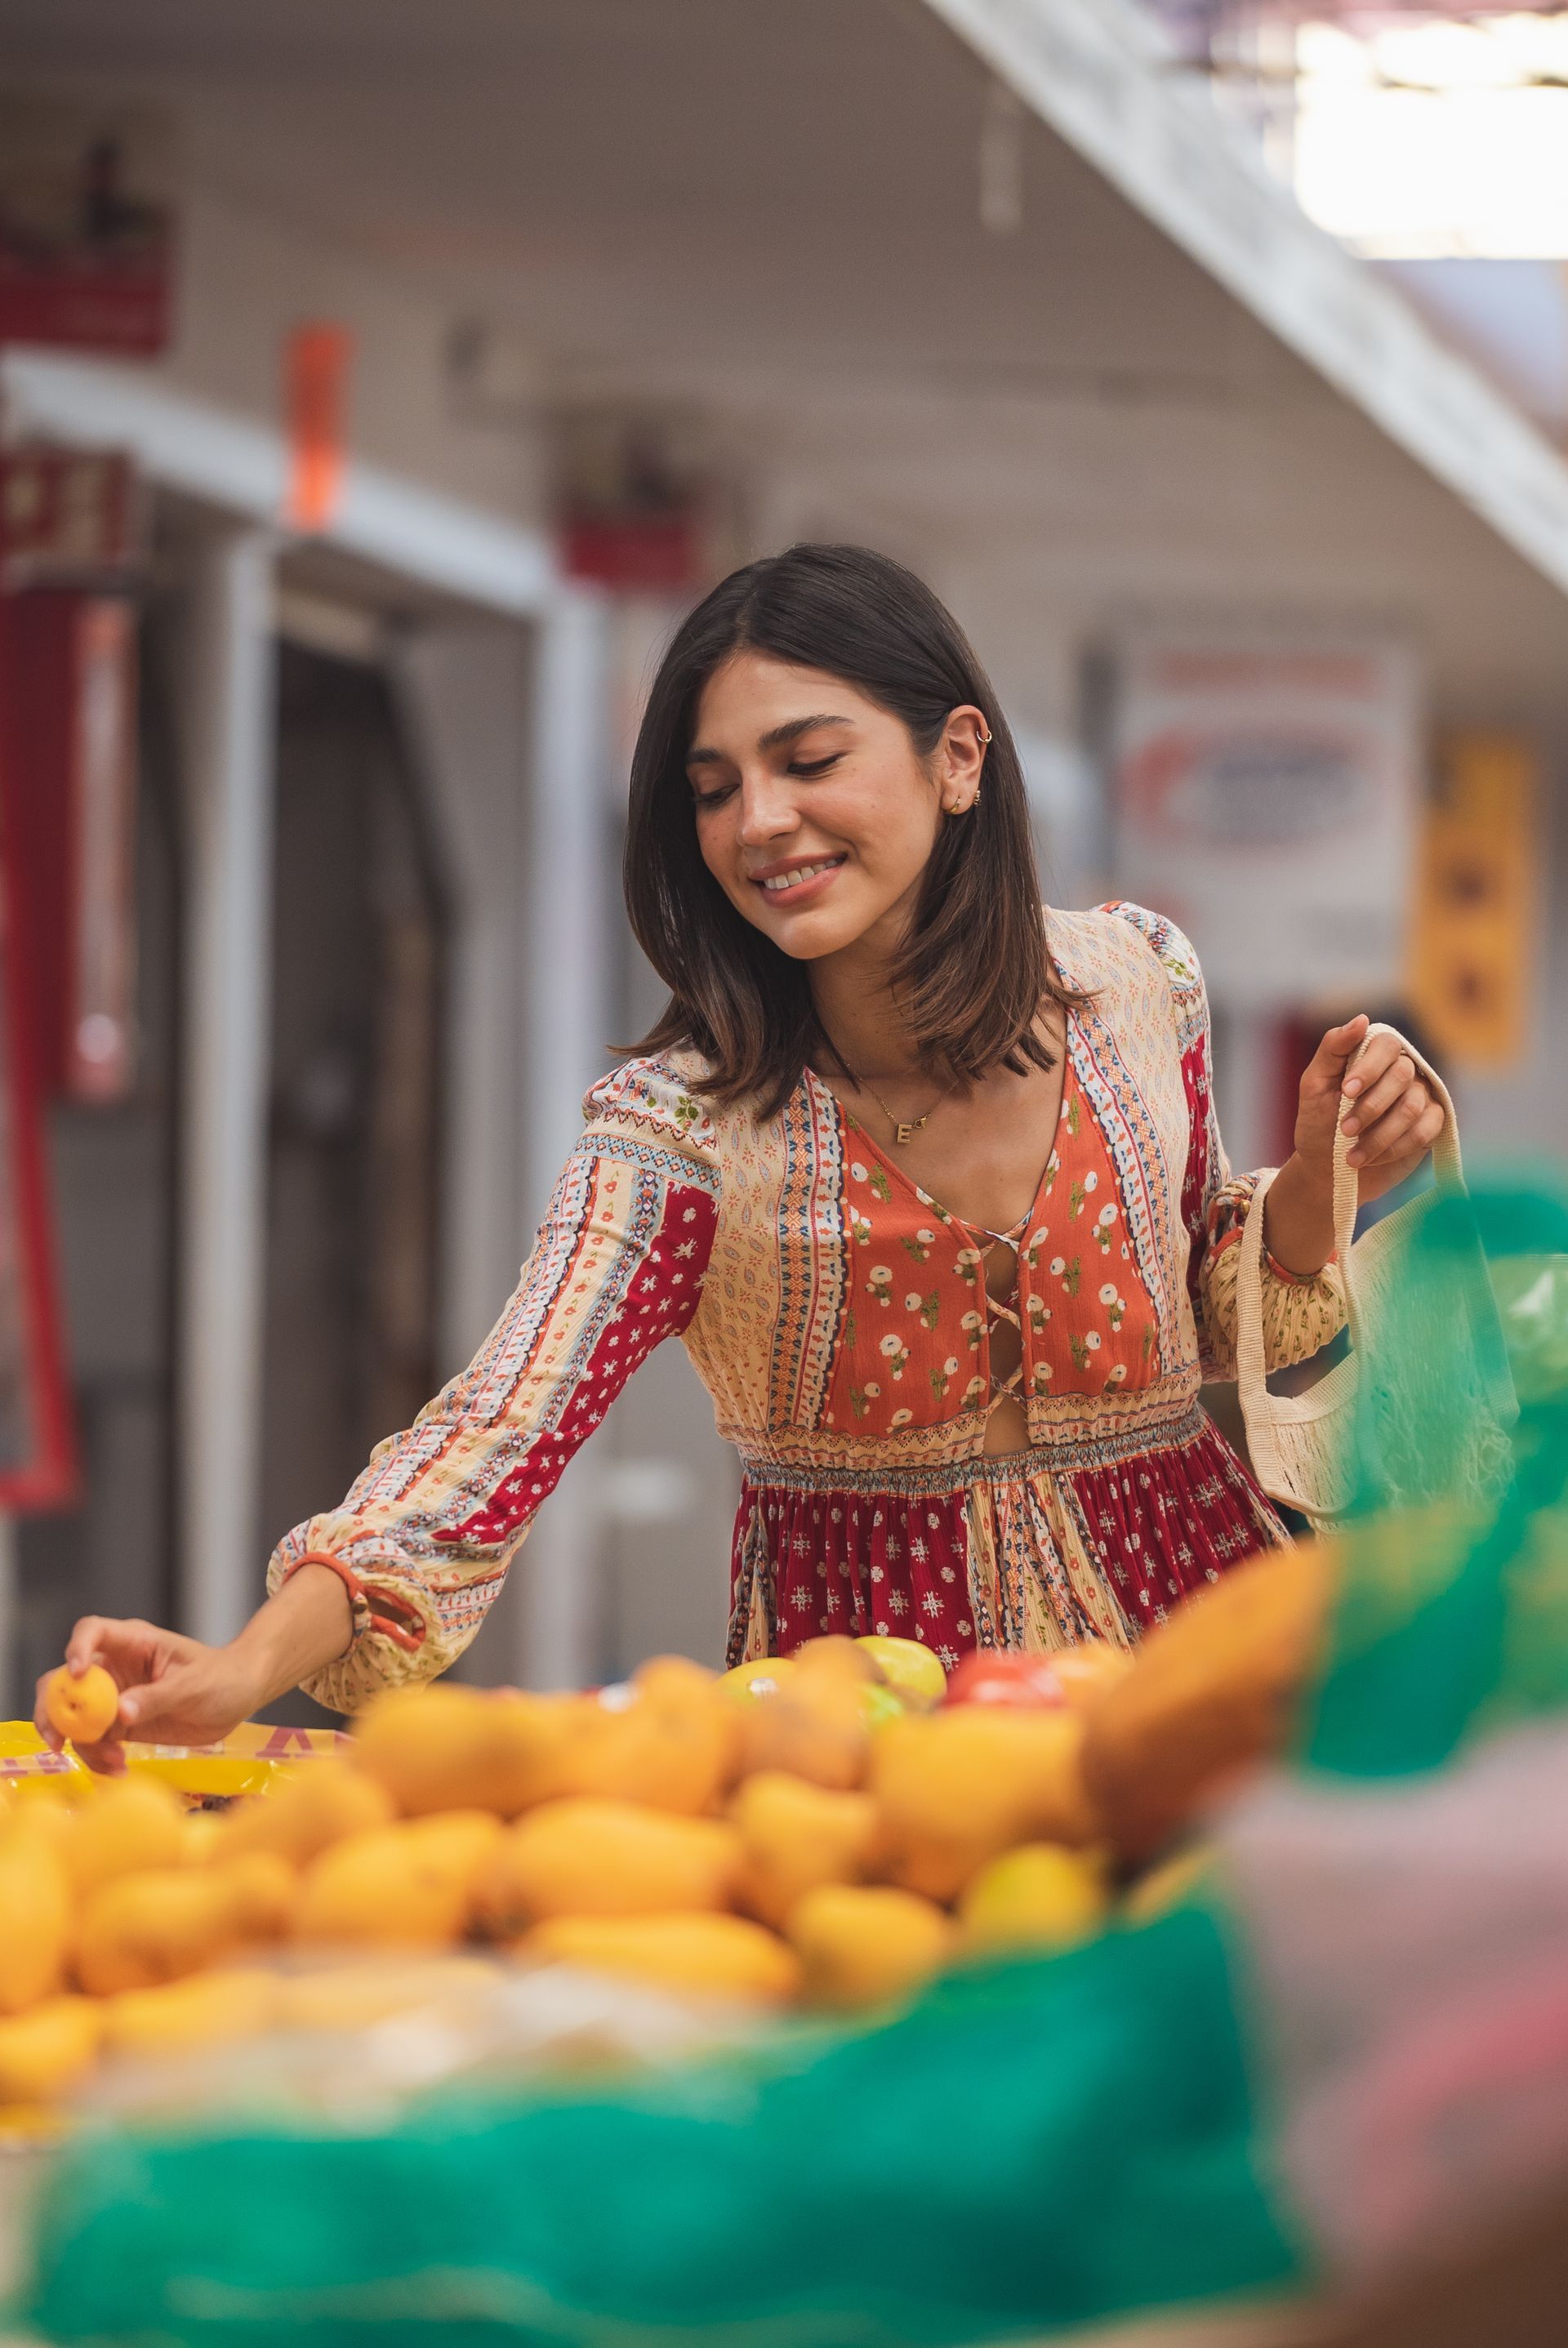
x: 841, y: 1320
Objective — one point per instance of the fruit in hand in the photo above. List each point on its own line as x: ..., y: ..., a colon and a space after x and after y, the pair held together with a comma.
x: 797, y: 1837
x: 587, y: 1858
x: 1038, y: 1896
x: 83, y: 1706
x: 866, y: 1945
x: 698, y: 1956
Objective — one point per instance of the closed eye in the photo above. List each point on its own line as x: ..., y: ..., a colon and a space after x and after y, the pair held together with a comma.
x: 814, y: 766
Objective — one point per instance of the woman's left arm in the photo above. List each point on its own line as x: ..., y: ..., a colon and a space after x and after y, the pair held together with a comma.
x: 1390, y: 1116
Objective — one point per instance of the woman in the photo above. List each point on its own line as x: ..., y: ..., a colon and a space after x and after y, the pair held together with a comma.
x: 930, y: 1186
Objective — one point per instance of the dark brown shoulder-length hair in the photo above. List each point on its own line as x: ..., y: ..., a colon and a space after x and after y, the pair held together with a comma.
x: 974, y: 968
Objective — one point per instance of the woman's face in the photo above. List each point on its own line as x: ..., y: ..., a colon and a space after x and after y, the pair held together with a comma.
x: 815, y: 813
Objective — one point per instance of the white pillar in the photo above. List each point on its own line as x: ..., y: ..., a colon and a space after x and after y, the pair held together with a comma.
x: 567, y: 1017
x: 230, y: 700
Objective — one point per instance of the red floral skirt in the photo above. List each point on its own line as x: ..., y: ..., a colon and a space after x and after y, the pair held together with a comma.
x: 1035, y: 1549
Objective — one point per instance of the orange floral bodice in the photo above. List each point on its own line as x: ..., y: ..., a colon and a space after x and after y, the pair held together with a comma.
x: 918, y: 1329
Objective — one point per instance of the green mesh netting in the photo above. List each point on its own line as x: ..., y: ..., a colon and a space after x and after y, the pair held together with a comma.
x: 1024, y: 2150
x: 1029, y: 2148
x: 1454, y: 1614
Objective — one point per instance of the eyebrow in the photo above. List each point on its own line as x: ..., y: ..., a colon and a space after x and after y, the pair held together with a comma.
x: 772, y: 740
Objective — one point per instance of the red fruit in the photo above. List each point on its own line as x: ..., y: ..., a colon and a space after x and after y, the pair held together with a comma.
x: 1069, y: 1679
x: 994, y: 1676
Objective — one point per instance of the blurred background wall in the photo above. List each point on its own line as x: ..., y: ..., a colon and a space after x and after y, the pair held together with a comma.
x: 381, y: 382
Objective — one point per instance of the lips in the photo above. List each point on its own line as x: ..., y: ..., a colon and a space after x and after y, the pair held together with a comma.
x: 786, y: 880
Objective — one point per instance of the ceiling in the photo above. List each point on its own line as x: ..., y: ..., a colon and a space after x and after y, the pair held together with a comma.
x: 774, y: 209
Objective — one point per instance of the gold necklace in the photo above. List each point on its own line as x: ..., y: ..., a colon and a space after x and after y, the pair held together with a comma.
x: 903, y: 1128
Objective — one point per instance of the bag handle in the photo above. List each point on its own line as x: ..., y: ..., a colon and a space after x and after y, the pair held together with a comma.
x: 1251, y: 1360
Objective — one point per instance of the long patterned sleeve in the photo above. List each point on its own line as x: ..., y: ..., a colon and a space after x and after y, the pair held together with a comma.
x: 1300, y: 1313
x: 425, y: 1536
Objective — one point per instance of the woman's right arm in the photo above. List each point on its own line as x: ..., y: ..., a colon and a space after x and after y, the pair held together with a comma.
x: 403, y: 1573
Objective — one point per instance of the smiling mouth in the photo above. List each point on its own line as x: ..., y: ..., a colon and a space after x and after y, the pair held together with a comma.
x: 797, y: 875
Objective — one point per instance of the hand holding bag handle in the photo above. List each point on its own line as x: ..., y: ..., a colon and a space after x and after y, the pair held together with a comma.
x: 1301, y: 1444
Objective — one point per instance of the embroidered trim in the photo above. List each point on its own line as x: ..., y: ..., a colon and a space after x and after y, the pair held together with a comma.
x: 1051, y: 1461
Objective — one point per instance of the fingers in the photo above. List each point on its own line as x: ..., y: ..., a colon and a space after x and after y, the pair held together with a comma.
x: 41, y: 1721
x: 127, y: 1650
x: 1338, y: 1045
x: 1406, y: 1129
x: 105, y: 1760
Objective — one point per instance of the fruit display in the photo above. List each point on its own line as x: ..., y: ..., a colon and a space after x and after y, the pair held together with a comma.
x: 823, y: 1833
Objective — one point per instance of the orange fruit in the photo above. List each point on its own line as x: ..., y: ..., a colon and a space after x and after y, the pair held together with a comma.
x: 83, y: 1706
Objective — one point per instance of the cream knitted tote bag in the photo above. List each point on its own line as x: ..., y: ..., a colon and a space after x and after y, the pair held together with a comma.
x: 1302, y: 1445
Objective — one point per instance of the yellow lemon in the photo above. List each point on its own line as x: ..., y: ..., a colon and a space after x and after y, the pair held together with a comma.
x: 1037, y: 1897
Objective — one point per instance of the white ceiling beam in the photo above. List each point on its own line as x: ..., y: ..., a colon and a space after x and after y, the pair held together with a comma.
x: 242, y: 470
x: 1102, y: 78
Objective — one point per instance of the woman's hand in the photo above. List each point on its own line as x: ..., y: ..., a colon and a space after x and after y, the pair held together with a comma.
x: 173, y: 1690
x: 1390, y: 1116
x: 1390, y: 1113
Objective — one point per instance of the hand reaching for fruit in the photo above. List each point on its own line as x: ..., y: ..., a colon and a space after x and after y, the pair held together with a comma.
x: 130, y: 1679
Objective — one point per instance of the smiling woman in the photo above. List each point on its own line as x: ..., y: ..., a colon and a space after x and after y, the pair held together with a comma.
x: 926, y: 1179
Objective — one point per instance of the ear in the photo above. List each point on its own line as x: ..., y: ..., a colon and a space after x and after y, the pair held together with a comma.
x: 961, y: 757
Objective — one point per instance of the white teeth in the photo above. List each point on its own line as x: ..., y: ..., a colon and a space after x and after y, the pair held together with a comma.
x: 805, y: 873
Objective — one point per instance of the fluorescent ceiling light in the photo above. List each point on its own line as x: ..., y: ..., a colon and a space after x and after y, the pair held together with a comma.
x: 1434, y: 139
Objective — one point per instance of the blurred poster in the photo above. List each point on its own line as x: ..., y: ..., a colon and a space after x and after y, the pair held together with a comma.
x: 87, y: 225
x: 37, y: 1460
x: 1265, y: 791
x: 68, y: 797
x: 68, y: 517
x: 1476, y: 931
x: 632, y: 486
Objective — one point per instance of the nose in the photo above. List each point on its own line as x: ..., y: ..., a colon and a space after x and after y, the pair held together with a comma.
x: 767, y: 810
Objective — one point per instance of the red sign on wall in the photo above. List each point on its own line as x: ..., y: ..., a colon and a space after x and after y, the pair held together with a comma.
x: 86, y: 236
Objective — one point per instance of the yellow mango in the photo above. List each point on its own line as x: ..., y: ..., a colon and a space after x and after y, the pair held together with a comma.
x: 215, y: 2009
x: 138, y: 1930
x: 317, y: 1804
x: 460, y: 1748
x: 956, y: 1789
x: 671, y: 1738
x: 396, y: 1886
x: 693, y: 1956
x: 588, y: 1857
x: 48, y: 2051
x: 796, y: 1836
x: 35, y: 1918
x: 129, y: 1826
x: 863, y: 1946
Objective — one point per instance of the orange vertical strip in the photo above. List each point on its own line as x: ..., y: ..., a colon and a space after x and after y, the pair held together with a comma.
x: 316, y: 384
